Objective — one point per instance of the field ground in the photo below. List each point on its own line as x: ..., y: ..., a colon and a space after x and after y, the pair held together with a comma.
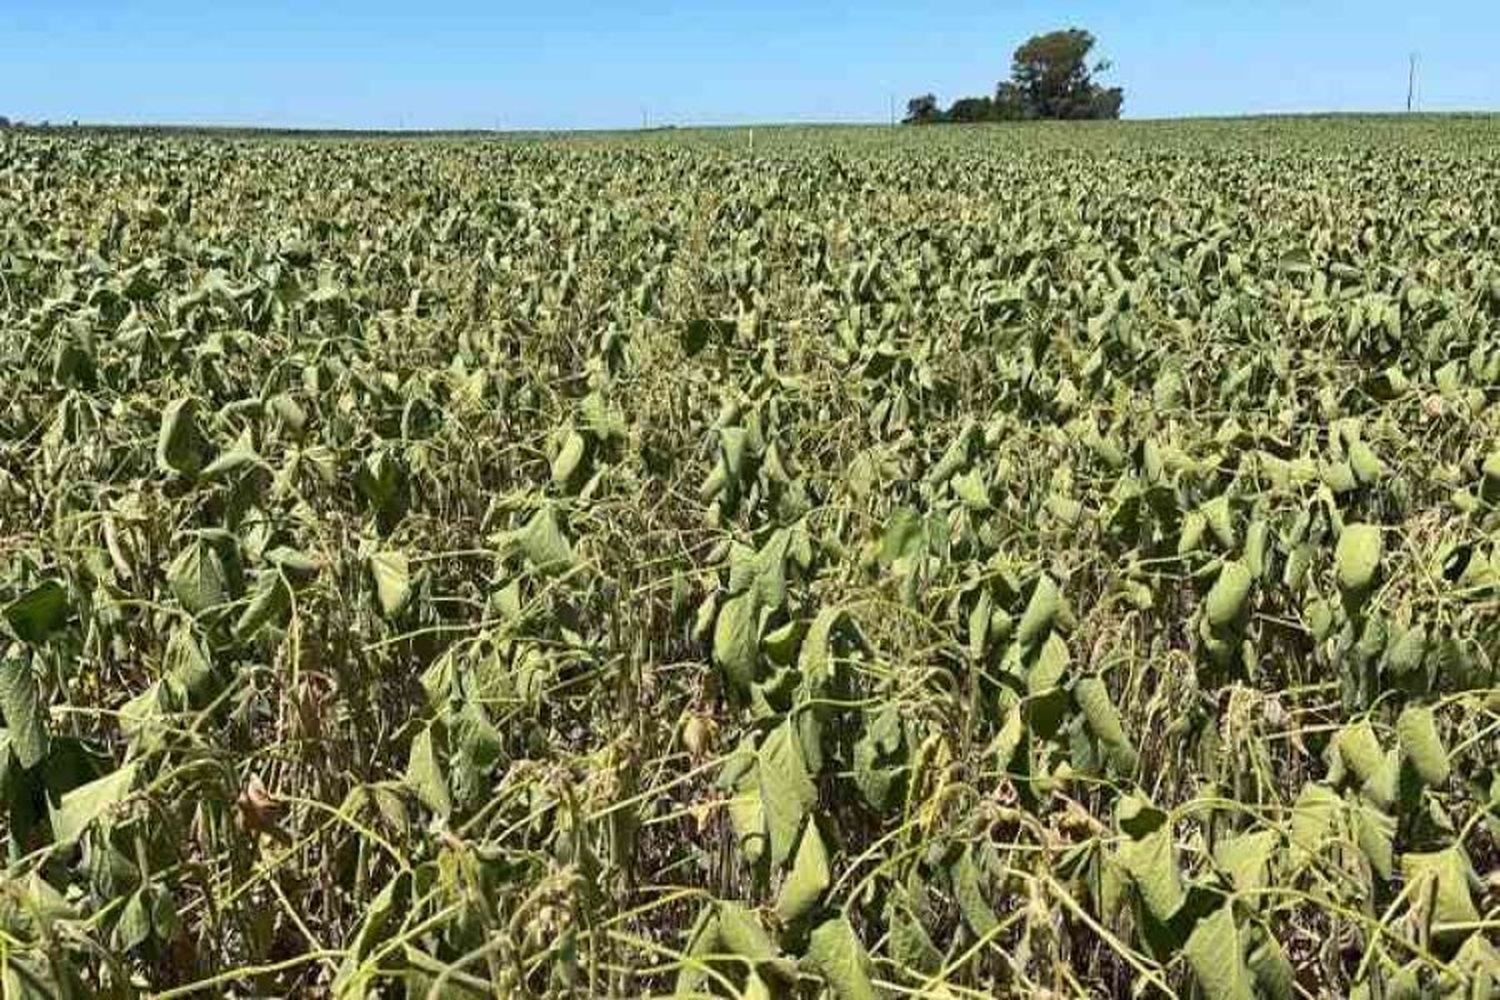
x: 1044, y: 560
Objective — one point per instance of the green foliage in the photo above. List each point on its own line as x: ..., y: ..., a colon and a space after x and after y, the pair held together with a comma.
x: 1050, y: 79
x: 884, y: 564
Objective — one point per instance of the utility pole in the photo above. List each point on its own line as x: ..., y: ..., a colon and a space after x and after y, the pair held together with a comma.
x: 1411, y: 83
x: 893, y: 109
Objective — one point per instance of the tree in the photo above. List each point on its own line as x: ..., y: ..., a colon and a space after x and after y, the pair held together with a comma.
x: 1052, y: 78
x: 922, y: 110
x: 972, y: 109
x: 1107, y: 102
x: 4, y: 122
x: 1010, y: 103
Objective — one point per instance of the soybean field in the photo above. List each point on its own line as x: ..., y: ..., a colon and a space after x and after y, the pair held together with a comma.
x: 1044, y: 560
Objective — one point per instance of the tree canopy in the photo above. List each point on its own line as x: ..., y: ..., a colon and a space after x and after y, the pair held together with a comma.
x: 923, y: 109
x: 1050, y: 77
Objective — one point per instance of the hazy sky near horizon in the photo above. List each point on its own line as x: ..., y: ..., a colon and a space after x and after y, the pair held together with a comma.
x: 566, y: 64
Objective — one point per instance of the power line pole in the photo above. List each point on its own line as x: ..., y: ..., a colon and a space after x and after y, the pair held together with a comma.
x: 893, y: 109
x: 1411, y: 82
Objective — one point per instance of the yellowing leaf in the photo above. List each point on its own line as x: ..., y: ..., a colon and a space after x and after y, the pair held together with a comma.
x: 743, y: 935
x: 1443, y: 876
x: 1229, y: 596
x: 1375, y: 833
x: 544, y: 544
x: 737, y: 640
x: 424, y: 773
x: 1041, y: 611
x: 1216, y: 515
x: 569, y: 459
x: 904, y: 536
x: 1104, y: 721
x: 1247, y: 858
x: 835, y: 951
x: 1151, y: 863
x: 392, y: 575
x: 1417, y: 736
x: 704, y: 940
x: 1049, y: 667
x: 1406, y: 651
x: 1358, y: 558
x: 787, y: 792
x: 808, y: 879
x: 1359, y: 749
x: 1365, y: 464
x: 1216, y: 955
x: 1315, y: 817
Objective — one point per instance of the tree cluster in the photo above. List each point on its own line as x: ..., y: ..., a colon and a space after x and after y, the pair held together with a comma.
x: 1050, y: 77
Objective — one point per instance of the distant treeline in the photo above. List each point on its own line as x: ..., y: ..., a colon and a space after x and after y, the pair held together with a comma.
x: 1050, y: 78
x: 263, y: 131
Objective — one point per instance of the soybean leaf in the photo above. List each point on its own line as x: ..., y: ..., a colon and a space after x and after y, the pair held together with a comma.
x: 25, y: 713
x: 391, y: 572
x: 87, y: 803
x: 835, y: 952
x: 38, y: 612
x: 1216, y: 955
x: 808, y: 879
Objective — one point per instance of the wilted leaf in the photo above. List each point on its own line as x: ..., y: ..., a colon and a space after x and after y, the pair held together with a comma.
x: 1446, y: 875
x: 808, y: 879
x: 1247, y: 858
x: 786, y: 790
x: 90, y: 802
x: 1417, y: 735
x: 424, y: 773
x: 1104, y: 721
x: 967, y: 892
x: 180, y: 446
x: 1217, y: 957
x: 743, y: 935
x: 198, y: 579
x: 704, y: 940
x: 1230, y: 595
x: 1358, y: 558
x: 737, y: 640
x: 1151, y: 862
x: 544, y: 543
x: 391, y: 572
x: 569, y: 459
x: 25, y: 714
x: 835, y: 952
x: 1041, y: 611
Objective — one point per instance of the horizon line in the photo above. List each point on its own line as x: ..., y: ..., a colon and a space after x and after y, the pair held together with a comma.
x: 47, y: 125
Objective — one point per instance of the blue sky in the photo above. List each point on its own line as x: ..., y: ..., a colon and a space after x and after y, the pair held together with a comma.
x: 566, y: 64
